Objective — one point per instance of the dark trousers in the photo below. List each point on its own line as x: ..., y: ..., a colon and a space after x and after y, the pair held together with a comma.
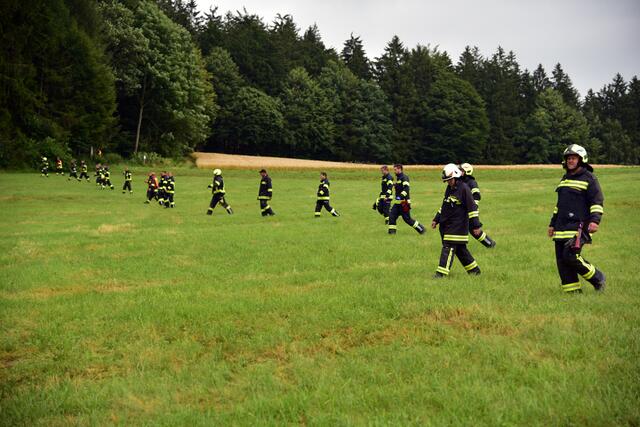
x: 73, y: 175
x: 107, y: 183
x: 571, y: 264
x: 127, y: 186
x: 84, y: 175
x: 265, y: 208
x: 218, y: 198
x: 384, y: 207
x: 397, y: 211
x: 168, y: 201
x: 324, y: 203
x: 449, y: 250
x: 151, y: 193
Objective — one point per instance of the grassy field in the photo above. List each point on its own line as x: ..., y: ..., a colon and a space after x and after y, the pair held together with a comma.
x: 117, y: 312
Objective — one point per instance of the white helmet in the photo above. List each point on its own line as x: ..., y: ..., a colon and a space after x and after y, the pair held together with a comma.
x: 217, y: 172
x: 451, y: 171
x: 44, y: 158
x: 467, y: 168
x: 578, y: 150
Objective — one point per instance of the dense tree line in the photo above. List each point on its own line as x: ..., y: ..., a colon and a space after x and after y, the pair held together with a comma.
x: 123, y: 76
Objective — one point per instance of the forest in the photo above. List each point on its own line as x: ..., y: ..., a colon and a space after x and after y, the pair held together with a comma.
x: 125, y: 78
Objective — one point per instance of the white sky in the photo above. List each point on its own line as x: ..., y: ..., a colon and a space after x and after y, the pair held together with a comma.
x: 592, y: 39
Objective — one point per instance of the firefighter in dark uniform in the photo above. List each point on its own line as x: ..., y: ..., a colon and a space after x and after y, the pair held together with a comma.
x: 99, y: 174
x: 44, y: 167
x: 401, y: 205
x: 218, y: 191
x: 152, y: 187
x: 265, y: 193
x: 383, y: 202
x: 73, y: 171
x: 128, y: 177
x: 323, y: 196
x: 162, y: 189
x: 170, y: 191
x: 59, y: 169
x: 458, y: 212
x: 576, y: 216
x: 83, y: 171
x: 467, y: 178
x: 106, y: 180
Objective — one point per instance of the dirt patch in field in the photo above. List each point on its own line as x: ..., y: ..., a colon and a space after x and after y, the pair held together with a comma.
x: 114, y: 228
x: 236, y: 161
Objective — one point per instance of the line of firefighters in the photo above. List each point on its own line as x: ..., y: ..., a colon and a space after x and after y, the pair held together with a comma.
x: 575, y: 218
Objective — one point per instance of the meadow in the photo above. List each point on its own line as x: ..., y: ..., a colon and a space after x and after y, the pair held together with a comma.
x: 117, y: 312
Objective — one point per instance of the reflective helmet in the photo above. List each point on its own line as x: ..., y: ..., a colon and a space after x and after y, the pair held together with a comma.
x: 217, y: 172
x: 451, y: 171
x: 467, y: 168
x: 578, y: 150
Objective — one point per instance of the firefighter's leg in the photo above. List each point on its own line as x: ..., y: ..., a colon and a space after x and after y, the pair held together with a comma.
x: 446, y: 259
x: 583, y: 267
x: 406, y: 216
x: 485, y: 240
x: 394, y: 213
x: 264, y: 207
x: 223, y: 202
x: 124, y: 187
x: 569, y: 280
x: 170, y: 203
x: 214, y: 201
x: 318, y: 210
x: 385, y: 210
x: 467, y: 260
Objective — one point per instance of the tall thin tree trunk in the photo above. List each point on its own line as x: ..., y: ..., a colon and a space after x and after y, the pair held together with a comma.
x: 144, y: 85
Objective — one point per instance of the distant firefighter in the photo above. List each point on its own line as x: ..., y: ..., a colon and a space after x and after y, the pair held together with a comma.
x: 402, y: 202
x: 218, y: 191
x: 265, y: 193
x: 383, y: 202
x: 127, y: 181
x: 323, y: 196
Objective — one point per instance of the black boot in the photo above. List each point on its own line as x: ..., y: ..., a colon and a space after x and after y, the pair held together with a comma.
x: 599, y: 281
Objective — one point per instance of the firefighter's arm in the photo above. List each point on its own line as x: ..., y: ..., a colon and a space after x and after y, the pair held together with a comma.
x: 595, y: 201
x: 389, y: 191
x: 405, y: 189
x: 436, y: 219
x: 475, y: 192
x: 473, y: 213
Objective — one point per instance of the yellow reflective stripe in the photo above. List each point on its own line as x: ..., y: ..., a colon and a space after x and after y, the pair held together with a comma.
x: 596, y: 209
x: 580, y: 185
x: 450, y: 259
x: 323, y: 198
x: 325, y: 185
x: 317, y: 213
x: 564, y: 234
x: 416, y: 225
x: 482, y: 237
x: 555, y: 210
x: 591, y: 268
x: 568, y: 287
x: 442, y: 270
x: 267, y: 208
x: 474, y: 214
x: 269, y: 190
x: 393, y: 227
x: 264, y: 197
x: 406, y: 183
x: 456, y: 238
x: 404, y: 193
x: 440, y: 210
x: 471, y: 266
x: 475, y: 190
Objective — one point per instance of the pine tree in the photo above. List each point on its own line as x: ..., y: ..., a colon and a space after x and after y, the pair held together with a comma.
x: 563, y: 85
x: 355, y: 58
x: 540, y: 80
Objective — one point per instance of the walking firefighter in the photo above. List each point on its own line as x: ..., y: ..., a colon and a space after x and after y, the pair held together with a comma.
x: 383, y: 202
x: 59, y: 169
x: 458, y: 212
x: 44, y: 167
x: 128, y: 177
x: 152, y: 187
x: 323, y: 196
x: 218, y: 191
x: 468, y: 178
x: 576, y: 216
x: 83, y: 171
x: 169, y: 191
x: 265, y: 193
x: 401, y: 205
x: 73, y: 171
x: 106, y: 178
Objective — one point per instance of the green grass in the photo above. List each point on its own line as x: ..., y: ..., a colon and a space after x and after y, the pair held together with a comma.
x: 116, y: 312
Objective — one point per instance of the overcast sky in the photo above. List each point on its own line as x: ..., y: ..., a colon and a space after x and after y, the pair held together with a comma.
x: 592, y: 39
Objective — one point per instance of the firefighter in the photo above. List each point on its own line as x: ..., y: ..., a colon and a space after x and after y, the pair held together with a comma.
x: 83, y: 171
x: 323, y: 196
x: 98, y: 174
x: 127, y: 181
x: 265, y: 193
x: 576, y: 216
x: 383, y: 202
x: 73, y: 171
x: 106, y: 178
x: 44, y: 167
x: 152, y: 187
x: 458, y: 212
x: 467, y: 178
x: 218, y: 191
x: 169, y: 189
x: 401, y: 205
x: 162, y: 189
x: 59, y: 169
